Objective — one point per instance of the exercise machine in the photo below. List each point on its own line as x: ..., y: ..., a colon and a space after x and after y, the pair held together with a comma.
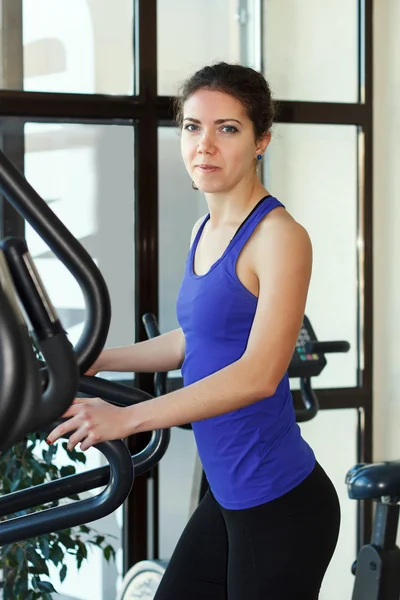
x: 35, y: 392
x: 377, y: 568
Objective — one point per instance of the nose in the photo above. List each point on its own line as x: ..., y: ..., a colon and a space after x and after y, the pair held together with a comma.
x: 206, y: 143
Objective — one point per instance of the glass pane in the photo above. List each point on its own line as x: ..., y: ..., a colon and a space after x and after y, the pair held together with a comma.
x: 85, y: 173
x: 84, y: 46
x: 310, y: 49
x: 176, y: 197
x: 209, y: 31
x: 176, y: 472
x: 312, y: 169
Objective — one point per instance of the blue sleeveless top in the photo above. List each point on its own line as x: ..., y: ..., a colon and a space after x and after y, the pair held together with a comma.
x: 256, y: 453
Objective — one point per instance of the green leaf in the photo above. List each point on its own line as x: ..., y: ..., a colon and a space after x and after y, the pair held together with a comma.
x: 35, y: 583
x: 44, y: 547
x: 108, y: 552
x: 15, y: 484
x: 56, y: 554
x: 48, y: 453
x: 38, y: 562
x: 99, y: 540
x: 68, y: 470
x: 63, y: 573
x: 66, y: 540
x: 21, y: 586
x: 20, y: 555
x: 8, y: 591
x: 46, y: 586
x: 84, y: 529
x: 82, y: 550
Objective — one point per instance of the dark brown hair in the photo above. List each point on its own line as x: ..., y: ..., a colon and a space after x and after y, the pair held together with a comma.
x: 243, y: 83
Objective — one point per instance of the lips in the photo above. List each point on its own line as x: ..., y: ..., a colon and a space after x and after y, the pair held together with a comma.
x: 207, y: 168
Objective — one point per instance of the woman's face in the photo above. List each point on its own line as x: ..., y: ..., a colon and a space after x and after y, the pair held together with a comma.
x: 218, y: 143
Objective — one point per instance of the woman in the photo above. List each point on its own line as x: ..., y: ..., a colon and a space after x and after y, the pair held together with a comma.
x: 268, y: 527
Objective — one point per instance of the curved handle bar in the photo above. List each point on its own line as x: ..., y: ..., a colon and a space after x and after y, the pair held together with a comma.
x: 152, y: 330
x: 25, y: 406
x: 82, y: 511
x: 326, y: 347
x: 12, y: 354
x: 310, y: 400
x: 115, y: 393
x: 123, y: 395
x: 19, y: 395
x: 66, y: 247
x: 58, y: 352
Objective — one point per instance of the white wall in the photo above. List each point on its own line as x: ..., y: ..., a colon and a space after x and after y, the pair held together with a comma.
x: 386, y: 229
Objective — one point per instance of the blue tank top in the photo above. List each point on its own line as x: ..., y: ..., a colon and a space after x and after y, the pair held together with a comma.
x: 256, y: 453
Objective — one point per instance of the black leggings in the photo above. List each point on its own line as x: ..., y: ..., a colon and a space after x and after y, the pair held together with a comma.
x: 276, y: 551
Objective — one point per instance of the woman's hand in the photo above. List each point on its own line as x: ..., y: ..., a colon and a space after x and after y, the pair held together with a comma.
x: 93, y: 420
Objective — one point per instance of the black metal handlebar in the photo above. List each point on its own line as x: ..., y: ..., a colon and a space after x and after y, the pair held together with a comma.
x: 67, y: 248
x: 123, y: 395
x: 143, y: 461
x: 120, y: 482
x: 308, y: 396
x: 62, y: 369
x: 12, y: 354
x: 310, y: 401
x: 326, y: 347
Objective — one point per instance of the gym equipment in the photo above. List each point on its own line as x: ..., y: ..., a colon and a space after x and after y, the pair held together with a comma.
x: 62, y: 369
x: 377, y: 568
x: 142, y: 580
x: 33, y: 393
x: 16, y: 356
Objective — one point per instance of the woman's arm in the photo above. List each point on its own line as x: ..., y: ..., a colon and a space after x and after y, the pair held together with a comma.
x: 160, y: 354
x: 282, y: 260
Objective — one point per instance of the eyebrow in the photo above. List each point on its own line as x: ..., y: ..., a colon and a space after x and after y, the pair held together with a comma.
x: 217, y: 122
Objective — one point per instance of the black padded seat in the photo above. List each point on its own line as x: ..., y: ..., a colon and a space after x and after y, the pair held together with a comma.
x: 374, y: 480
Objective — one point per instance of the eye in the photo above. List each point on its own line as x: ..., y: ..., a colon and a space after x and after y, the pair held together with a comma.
x: 190, y: 127
x: 229, y: 129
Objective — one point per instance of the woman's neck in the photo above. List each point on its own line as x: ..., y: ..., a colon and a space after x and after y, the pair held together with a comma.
x: 230, y: 208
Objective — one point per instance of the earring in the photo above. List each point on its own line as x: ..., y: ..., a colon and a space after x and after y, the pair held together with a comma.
x: 259, y: 156
x: 194, y: 187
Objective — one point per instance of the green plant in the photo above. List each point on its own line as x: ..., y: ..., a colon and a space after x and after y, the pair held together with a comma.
x: 25, y: 564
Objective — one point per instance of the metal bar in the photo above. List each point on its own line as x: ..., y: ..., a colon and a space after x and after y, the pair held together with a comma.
x: 319, y: 113
x: 146, y: 258
x: 60, y: 107
x: 13, y: 145
x: 367, y: 383
x: 11, y: 76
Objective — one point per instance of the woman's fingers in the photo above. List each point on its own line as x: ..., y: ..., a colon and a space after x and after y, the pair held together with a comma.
x: 74, y: 408
x: 62, y: 429
x: 78, y: 436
